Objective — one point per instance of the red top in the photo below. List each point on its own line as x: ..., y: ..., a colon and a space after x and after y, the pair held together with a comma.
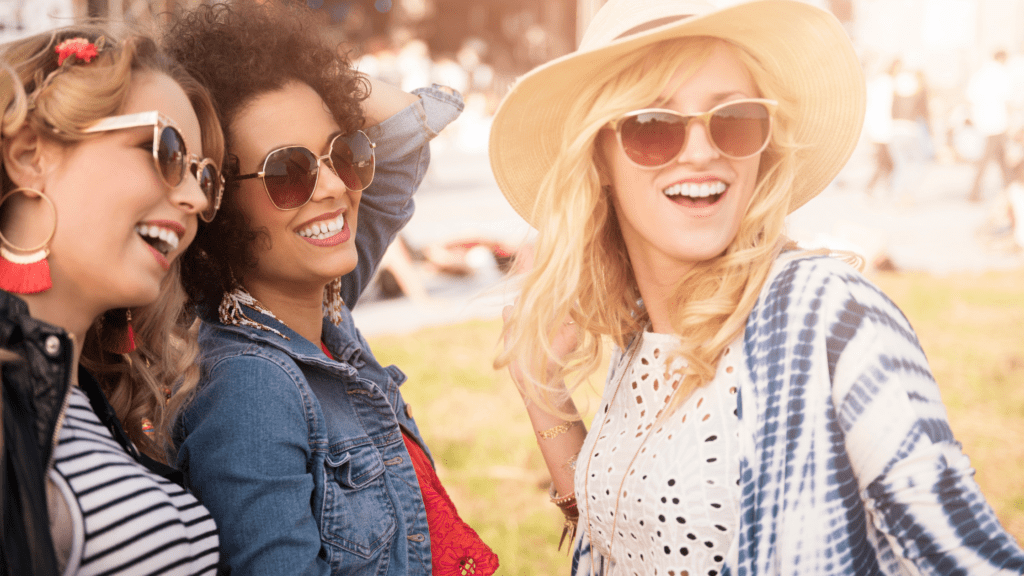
x: 455, y: 548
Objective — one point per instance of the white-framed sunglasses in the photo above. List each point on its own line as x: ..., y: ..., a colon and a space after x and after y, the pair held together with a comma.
x: 170, y: 155
x: 654, y: 137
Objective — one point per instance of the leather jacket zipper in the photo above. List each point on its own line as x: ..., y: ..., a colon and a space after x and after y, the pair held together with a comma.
x: 63, y: 408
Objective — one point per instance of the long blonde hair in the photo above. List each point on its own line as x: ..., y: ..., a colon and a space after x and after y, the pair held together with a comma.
x: 582, y: 271
x: 57, y: 102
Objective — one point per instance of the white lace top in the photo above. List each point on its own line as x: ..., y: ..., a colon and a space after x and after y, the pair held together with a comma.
x: 677, y: 509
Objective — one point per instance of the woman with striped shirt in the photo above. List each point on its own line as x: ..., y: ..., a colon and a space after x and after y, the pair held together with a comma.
x: 110, y: 155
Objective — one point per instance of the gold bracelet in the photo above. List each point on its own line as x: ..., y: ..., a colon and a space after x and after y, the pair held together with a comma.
x: 567, y: 504
x: 560, y: 501
x: 555, y: 431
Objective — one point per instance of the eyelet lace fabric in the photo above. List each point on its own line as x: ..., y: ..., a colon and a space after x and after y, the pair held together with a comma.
x: 678, y: 508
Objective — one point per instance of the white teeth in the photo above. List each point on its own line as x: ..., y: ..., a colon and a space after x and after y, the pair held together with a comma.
x: 694, y: 190
x: 166, y: 239
x: 321, y: 230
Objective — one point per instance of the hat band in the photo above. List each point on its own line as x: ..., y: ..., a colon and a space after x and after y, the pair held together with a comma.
x: 651, y: 25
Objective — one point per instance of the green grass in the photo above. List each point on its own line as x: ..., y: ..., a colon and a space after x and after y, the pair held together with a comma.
x: 970, y: 326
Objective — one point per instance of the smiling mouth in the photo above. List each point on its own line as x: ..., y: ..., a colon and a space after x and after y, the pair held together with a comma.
x: 324, y: 229
x: 704, y: 193
x: 163, y: 240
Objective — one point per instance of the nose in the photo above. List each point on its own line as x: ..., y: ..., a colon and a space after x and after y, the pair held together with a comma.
x: 188, y: 196
x: 328, y: 183
x: 698, y: 148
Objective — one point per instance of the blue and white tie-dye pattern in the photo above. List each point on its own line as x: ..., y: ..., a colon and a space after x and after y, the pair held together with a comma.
x: 848, y: 465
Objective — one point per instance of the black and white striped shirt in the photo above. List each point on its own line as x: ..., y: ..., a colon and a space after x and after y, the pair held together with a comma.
x: 125, y: 518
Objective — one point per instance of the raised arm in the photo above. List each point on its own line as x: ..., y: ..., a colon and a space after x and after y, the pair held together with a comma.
x: 401, y: 125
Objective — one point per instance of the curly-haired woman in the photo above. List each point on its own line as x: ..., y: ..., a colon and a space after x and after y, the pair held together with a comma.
x: 298, y: 440
x: 104, y: 178
x: 767, y: 410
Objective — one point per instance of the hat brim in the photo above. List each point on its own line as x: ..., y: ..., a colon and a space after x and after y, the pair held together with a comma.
x: 804, y: 47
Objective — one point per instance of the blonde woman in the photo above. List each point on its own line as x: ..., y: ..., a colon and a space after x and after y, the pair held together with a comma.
x: 767, y: 411
x: 111, y: 154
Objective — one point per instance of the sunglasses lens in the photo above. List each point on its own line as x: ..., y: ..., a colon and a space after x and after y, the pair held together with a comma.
x: 207, y: 178
x: 352, y: 160
x: 652, y: 138
x: 170, y: 156
x: 209, y: 182
x: 740, y: 129
x: 290, y: 177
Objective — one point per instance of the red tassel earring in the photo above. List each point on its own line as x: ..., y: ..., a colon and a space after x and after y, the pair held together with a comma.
x: 25, y: 270
x: 118, y: 336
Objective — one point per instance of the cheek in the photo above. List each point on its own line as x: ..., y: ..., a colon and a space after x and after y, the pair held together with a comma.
x: 254, y: 204
x: 748, y: 173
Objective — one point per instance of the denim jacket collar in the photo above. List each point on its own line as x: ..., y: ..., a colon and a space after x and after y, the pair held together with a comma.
x: 341, y: 340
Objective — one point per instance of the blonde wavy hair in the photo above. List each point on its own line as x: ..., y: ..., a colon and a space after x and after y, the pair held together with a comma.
x: 57, y: 103
x: 582, y: 271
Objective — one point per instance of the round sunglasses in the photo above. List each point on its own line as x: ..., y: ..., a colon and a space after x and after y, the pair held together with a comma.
x: 290, y: 173
x: 171, y: 155
x: 654, y: 137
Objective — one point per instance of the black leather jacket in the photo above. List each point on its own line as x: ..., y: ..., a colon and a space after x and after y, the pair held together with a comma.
x: 36, y: 388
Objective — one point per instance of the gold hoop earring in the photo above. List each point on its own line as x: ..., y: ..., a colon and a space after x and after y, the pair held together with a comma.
x: 25, y: 270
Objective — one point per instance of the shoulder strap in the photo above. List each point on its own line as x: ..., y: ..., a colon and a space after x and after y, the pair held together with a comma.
x: 105, y: 412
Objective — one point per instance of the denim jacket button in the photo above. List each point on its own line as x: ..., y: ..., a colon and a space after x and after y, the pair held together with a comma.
x: 408, y: 411
x: 52, y: 345
x: 416, y: 537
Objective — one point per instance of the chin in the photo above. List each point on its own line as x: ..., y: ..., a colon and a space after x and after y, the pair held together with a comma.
x: 143, y: 296
x: 346, y: 264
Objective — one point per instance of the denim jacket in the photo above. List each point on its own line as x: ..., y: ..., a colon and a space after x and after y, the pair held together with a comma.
x: 300, y: 458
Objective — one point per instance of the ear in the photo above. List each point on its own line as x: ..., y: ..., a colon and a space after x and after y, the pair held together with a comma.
x: 24, y: 160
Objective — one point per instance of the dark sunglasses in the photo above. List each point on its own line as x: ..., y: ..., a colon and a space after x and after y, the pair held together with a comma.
x: 290, y: 174
x: 171, y: 156
x: 654, y: 137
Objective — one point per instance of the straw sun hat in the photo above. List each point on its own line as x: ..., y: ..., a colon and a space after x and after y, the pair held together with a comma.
x: 803, y: 46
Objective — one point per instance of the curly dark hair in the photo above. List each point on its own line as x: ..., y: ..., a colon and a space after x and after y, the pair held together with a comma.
x: 241, y: 51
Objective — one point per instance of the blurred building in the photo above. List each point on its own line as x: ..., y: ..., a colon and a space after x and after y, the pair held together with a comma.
x: 20, y: 18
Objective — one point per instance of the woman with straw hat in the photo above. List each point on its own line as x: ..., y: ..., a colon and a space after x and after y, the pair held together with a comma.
x: 767, y: 410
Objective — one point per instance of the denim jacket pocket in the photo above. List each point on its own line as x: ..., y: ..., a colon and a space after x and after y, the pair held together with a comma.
x: 358, y: 515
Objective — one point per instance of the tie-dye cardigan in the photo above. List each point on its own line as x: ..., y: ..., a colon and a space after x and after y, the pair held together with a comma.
x: 848, y: 465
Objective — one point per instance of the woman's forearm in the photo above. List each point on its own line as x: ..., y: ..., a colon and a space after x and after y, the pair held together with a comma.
x: 384, y: 101
x: 560, y: 441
